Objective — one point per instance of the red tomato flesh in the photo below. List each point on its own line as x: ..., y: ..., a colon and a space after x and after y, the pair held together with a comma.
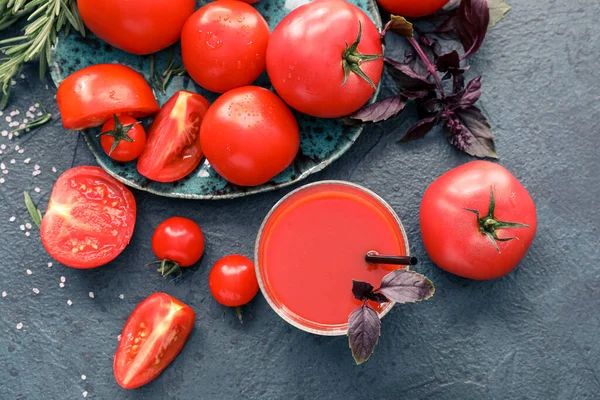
x: 89, y: 220
x: 91, y: 96
x: 173, y: 146
x: 152, y: 337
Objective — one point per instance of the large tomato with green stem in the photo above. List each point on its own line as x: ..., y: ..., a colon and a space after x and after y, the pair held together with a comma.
x: 325, y: 58
x: 477, y: 221
x: 136, y: 26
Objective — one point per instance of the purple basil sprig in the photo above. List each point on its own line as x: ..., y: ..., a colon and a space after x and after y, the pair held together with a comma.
x: 364, y: 327
x: 421, y: 76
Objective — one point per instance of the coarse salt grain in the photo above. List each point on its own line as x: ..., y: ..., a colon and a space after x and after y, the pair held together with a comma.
x: 49, y: 264
x: 28, y: 272
x: 27, y: 160
x: 25, y: 120
x: 8, y: 118
x: 22, y: 150
x: 20, y: 326
x: 2, y: 166
x: 32, y: 108
x: 28, y: 225
x: 37, y: 105
x: 53, y: 169
x: 22, y: 76
x: 27, y: 233
x: 17, y: 147
x: 121, y: 296
x: 37, y: 190
x: 2, y: 146
x: 83, y: 377
x: 13, y: 161
x: 5, y: 172
x: 39, y: 113
x: 4, y: 293
x: 36, y: 167
x: 69, y: 302
x: 2, y: 180
x: 22, y: 227
x: 119, y: 338
x: 85, y: 393
x: 61, y: 285
x: 4, y: 133
x: 13, y: 113
x: 91, y: 294
x: 36, y: 290
x: 36, y: 172
x: 63, y: 279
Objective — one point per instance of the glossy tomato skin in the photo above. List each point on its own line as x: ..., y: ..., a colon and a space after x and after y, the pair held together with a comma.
x: 180, y: 240
x: 89, y: 220
x: 91, y: 96
x: 412, y: 8
x: 304, y: 58
x: 125, y: 151
x: 249, y: 135
x: 153, y: 336
x: 232, y: 280
x: 173, y: 147
x: 223, y: 45
x: 136, y: 26
x: 451, y: 234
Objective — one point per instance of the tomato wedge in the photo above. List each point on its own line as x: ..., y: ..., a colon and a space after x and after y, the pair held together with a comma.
x: 91, y: 96
x: 173, y: 147
x: 152, y: 337
x: 89, y: 220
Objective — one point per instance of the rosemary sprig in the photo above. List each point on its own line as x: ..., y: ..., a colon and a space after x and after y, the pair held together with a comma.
x: 160, y: 81
x: 34, y: 212
x: 45, y: 19
x: 46, y: 116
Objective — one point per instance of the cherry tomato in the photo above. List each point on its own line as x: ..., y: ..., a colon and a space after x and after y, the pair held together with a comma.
x: 249, y: 135
x: 173, y: 147
x: 89, y: 220
x: 477, y: 221
x: 412, y: 8
x: 178, y: 240
x: 91, y: 96
x: 136, y: 26
x: 153, y: 335
x: 316, y: 54
x: 232, y: 280
x: 223, y: 45
x: 123, y: 138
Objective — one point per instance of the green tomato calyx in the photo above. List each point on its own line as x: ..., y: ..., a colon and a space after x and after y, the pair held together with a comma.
x: 352, y: 59
x: 119, y: 132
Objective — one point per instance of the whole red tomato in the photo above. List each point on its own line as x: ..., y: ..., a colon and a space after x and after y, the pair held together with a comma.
x: 177, y: 242
x: 123, y: 138
x: 477, y: 221
x: 249, y: 135
x: 89, y: 220
x: 173, y: 148
x: 136, y: 26
x: 412, y: 8
x: 232, y: 280
x: 153, y: 335
x: 223, y: 45
x: 91, y: 96
x: 325, y: 58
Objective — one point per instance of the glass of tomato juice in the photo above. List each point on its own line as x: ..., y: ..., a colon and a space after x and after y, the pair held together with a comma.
x: 313, y: 243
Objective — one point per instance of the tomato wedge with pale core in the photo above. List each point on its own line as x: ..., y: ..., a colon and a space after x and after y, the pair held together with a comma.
x: 152, y: 337
x: 91, y: 96
x: 173, y: 147
x: 89, y: 220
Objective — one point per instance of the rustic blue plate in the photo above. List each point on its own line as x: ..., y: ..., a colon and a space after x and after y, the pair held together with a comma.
x: 322, y: 140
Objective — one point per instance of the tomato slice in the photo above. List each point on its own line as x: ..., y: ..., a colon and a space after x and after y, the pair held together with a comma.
x: 91, y: 96
x: 173, y: 147
x: 152, y: 337
x: 90, y: 218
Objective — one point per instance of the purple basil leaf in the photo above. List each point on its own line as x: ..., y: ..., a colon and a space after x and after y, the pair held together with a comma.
x: 472, y: 24
x: 406, y: 77
x: 451, y: 5
x: 469, y: 131
x: 378, y: 298
x: 416, y: 94
x: 361, y: 290
x: 420, y: 129
x: 431, y: 44
x: 398, y: 25
x: 448, y: 62
x: 466, y: 97
x: 404, y: 286
x: 431, y: 48
x: 449, y: 25
x: 381, y: 110
x: 458, y: 82
x: 364, y: 328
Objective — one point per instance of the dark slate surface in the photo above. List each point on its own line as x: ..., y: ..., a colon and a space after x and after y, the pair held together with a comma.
x: 531, y: 335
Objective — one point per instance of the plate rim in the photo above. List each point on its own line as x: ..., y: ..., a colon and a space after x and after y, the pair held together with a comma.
x: 358, y: 129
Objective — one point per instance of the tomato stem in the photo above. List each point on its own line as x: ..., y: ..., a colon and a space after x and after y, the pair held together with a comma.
x: 239, y: 310
x: 167, y: 267
x: 488, y: 224
x: 352, y: 59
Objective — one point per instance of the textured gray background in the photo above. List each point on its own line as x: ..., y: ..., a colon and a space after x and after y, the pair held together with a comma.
x: 531, y: 335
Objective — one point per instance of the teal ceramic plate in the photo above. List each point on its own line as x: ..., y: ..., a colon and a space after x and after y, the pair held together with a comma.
x: 322, y: 140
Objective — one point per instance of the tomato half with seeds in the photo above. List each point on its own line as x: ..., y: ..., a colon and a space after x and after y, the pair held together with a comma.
x: 325, y: 58
x: 477, y: 221
x: 173, y: 146
x: 152, y: 337
x: 89, y: 220
x: 91, y: 96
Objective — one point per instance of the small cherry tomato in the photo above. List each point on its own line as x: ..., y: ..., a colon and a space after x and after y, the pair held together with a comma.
x: 123, y: 138
x: 152, y: 337
x: 232, y: 280
x: 173, y: 147
x: 223, y: 45
x: 177, y: 242
x: 91, y: 96
x: 89, y: 220
x: 249, y: 135
x: 412, y: 8
x: 477, y: 221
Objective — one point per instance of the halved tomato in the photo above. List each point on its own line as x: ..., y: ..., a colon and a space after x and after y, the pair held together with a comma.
x: 152, y: 337
x: 91, y: 96
x: 173, y: 147
x: 89, y: 220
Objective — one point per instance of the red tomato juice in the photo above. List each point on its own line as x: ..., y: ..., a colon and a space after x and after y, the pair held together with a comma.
x: 313, y: 245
